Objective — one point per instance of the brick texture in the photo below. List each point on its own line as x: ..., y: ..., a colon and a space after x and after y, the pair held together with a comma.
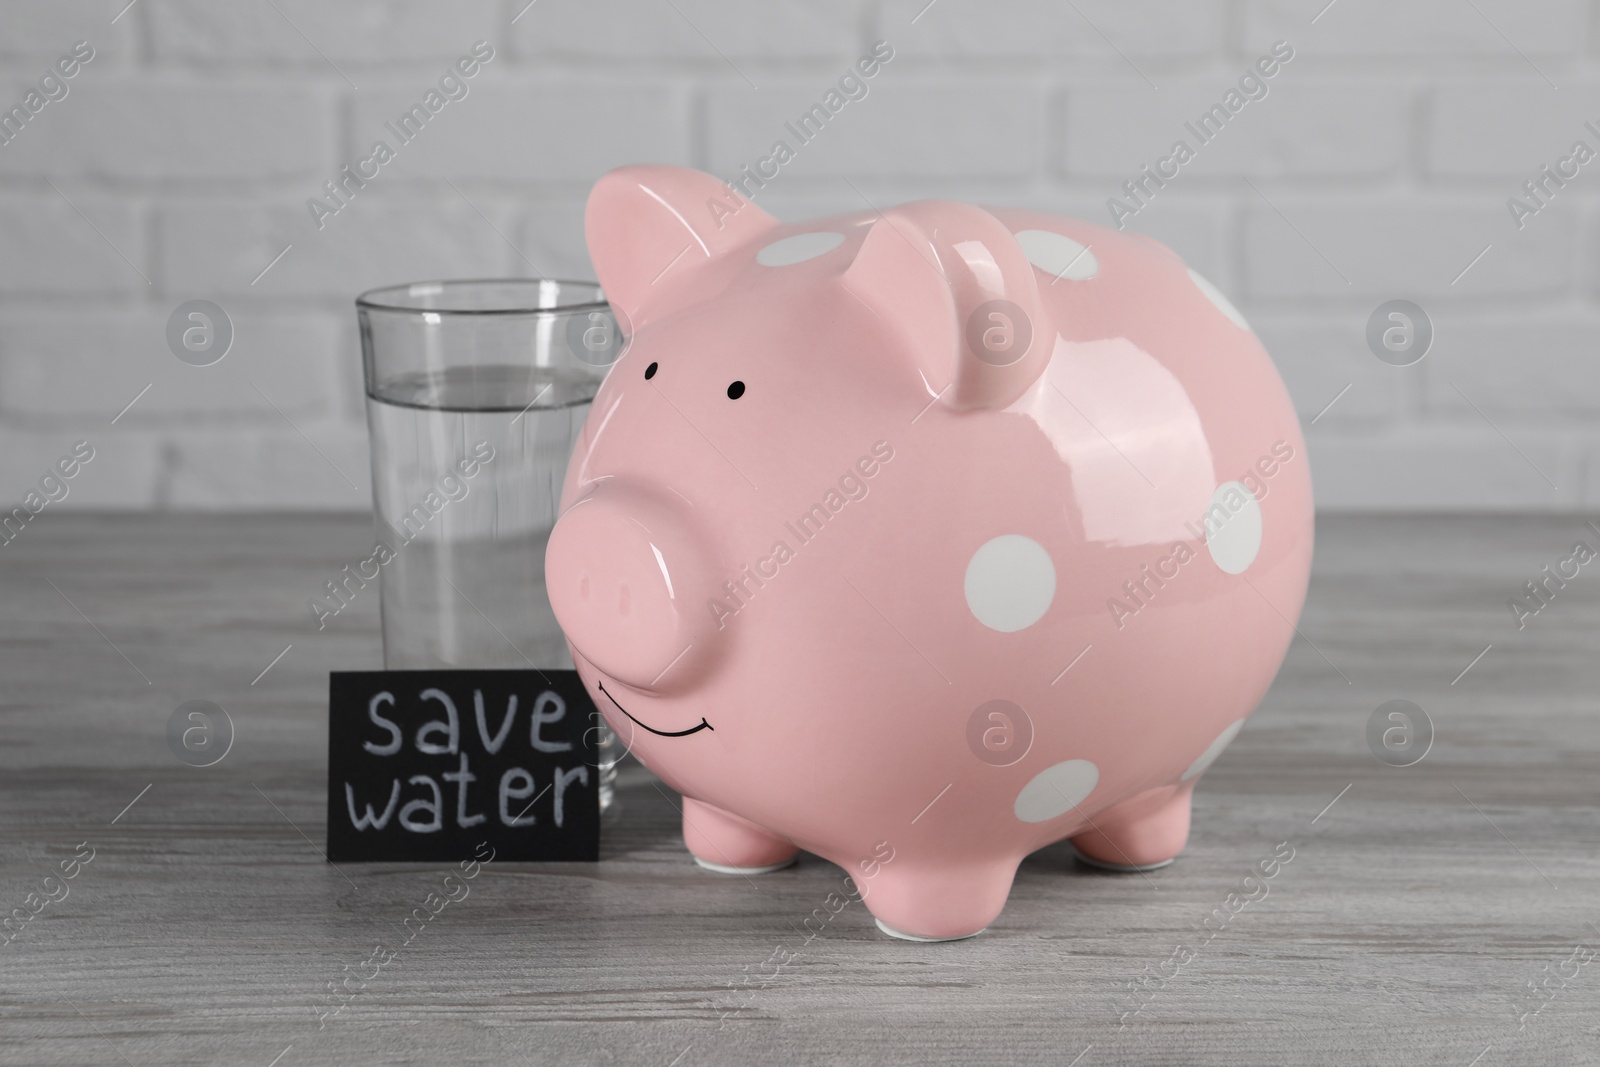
x: 986, y: 129
x: 88, y: 367
x: 81, y: 244
x: 525, y: 131
x: 1306, y: 126
x: 710, y: 34
x: 1494, y: 30
x: 1379, y: 165
x: 37, y: 32
x: 314, y: 33
x: 1098, y: 29
x: 128, y: 130
x: 214, y: 250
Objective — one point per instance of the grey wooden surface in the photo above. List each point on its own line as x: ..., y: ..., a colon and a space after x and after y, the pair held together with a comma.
x: 1406, y: 929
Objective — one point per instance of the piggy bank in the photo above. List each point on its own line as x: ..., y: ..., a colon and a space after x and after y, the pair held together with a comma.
x: 922, y: 539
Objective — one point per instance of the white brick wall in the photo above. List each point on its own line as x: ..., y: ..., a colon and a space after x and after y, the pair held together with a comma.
x: 1377, y: 167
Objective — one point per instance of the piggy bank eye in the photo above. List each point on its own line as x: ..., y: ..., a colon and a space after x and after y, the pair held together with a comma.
x: 650, y: 372
x: 736, y: 390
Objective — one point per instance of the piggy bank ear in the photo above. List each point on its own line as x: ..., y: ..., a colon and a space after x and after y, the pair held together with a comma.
x: 648, y: 224
x: 952, y: 281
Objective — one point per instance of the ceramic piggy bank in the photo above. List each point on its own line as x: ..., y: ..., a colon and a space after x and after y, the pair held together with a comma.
x: 922, y: 539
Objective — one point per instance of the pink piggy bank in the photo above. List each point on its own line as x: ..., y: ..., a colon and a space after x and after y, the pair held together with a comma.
x: 923, y: 539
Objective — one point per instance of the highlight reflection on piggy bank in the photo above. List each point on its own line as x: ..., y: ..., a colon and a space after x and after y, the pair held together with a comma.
x: 940, y: 534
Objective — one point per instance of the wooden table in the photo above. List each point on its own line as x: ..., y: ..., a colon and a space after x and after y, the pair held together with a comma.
x: 1420, y: 903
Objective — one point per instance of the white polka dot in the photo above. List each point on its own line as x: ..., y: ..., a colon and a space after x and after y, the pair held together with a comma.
x: 1213, y: 294
x: 1058, y: 255
x: 1010, y: 583
x: 1209, y: 756
x: 1056, y: 790
x: 799, y: 248
x: 1233, y: 527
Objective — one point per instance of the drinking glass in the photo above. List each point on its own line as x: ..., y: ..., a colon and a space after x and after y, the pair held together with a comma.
x: 476, y: 393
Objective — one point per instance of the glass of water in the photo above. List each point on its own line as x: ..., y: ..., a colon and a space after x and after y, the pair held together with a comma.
x: 476, y: 393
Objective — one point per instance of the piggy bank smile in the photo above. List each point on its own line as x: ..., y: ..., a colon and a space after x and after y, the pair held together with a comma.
x: 938, y: 511
x: 703, y: 725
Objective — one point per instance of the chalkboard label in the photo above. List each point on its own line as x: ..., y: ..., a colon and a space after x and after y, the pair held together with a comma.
x: 427, y: 765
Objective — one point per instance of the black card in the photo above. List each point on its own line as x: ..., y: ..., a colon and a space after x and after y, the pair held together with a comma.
x: 425, y: 765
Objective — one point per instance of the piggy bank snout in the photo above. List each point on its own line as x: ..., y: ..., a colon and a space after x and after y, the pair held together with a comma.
x: 628, y: 581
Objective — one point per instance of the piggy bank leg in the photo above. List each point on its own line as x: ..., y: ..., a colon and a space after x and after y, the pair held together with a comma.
x: 936, y: 904
x: 723, y: 842
x: 1140, y: 834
